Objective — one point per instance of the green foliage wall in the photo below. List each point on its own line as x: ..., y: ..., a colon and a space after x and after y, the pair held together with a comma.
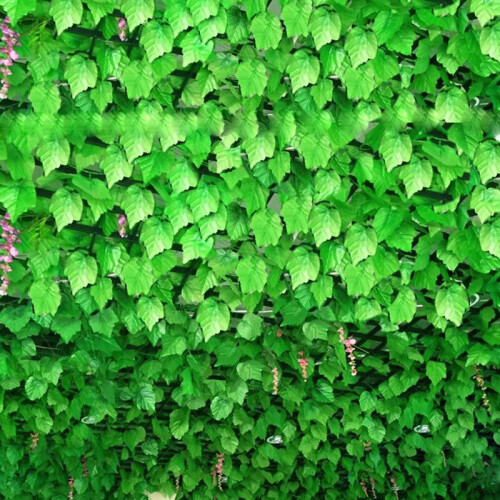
x: 205, y: 194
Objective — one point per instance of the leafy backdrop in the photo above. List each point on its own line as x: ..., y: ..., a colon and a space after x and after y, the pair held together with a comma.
x: 285, y: 169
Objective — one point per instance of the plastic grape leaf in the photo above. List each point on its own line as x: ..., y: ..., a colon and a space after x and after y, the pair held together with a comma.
x: 213, y: 317
x: 436, y: 371
x: 81, y: 74
x: 66, y: 207
x: 267, y: 31
x: 324, y: 223
x: 404, y: 306
x: 35, y: 388
x: 81, y: 270
x: 137, y: 12
x: 416, y: 175
x: 45, y: 98
x: 18, y: 198
x: 252, y: 274
x: 66, y: 13
x: 295, y: 15
x: 115, y: 165
x: 53, y: 154
x: 324, y: 26
x: 138, y: 79
x: 138, y: 276
x: 395, y: 148
x: 150, y: 310
x: 267, y: 227
x: 138, y: 204
x: 303, y: 267
x: 361, y: 46
x: 157, y: 39
x: 485, y: 202
x: 102, y: 291
x: 179, y: 422
x: 221, y: 407
x: 489, y: 237
x: 250, y: 326
x: 156, y: 236
x: 46, y: 297
x: 361, y: 242
x: 145, y: 398
x: 252, y: 77
x: 451, y: 303
x: 487, y: 161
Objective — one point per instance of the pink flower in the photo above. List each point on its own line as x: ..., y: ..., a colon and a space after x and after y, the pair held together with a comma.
x: 304, y: 363
x: 349, y: 349
x: 122, y: 29
x: 275, y: 381
x: 9, y: 38
x: 122, y: 226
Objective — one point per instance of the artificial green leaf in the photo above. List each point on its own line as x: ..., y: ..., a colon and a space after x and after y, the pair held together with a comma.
x: 66, y: 13
x: 361, y: 242
x: 436, y: 371
x: 66, y: 207
x: 81, y: 270
x: 267, y: 227
x: 81, y: 74
x: 404, y: 306
x: 303, y: 267
x: 156, y: 236
x: 451, y: 303
x: 18, y: 198
x: 137, y: 11
x: 267, y: 31
x: 213, y: 318
x: 138, y: 276
x: 35, y: 388
x: 361, y: 46
x: 252, y: 274
x: 138, y: 204
x: 46, y: 297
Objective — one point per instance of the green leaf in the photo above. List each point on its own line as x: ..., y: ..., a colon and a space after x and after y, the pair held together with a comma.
x: 145, y: 398
x: 361, y: 46
x: 416, y: 175
x: 365, y: 309
x: 303, y: 70
x: 322, y: 289
x: 45, y: 98
x: 18, y: 198
x: 316, y: 149
x: 451, y: 303
x: 179, y: 422
x: 487, y: 161
x: 452, y: 106
x: 361, y: 242
x: 138, y: 204
x: 252, y: 274
x: 213, y: 317
x: 267, y: 227
x: 138, y: 79
x: 296, y: 211
x: 485, y: 202
x: 221, y: 408
x: 303, y: 267
x: 81, y: 270
x: 150, y: 310
x: 53, y: 154
x: 489, y: 41
x: 66, y: 13
x: 395, y: 149
x: 35, y: 388
x: 194, y: 50
x: 115, y: 165
x: 360, y: 82
x: 267, y: 31
x: 66, y: 207
x: 324, y: 26
x: 81, y: 74
x: 157, y: 39
x: 295, y: 15
x: 102, y: 95
x: 137, y: 12
x: 46, y: 297
x: 203, y: 200
x: 16, y: 9
x: 324, y: 223
x: 156, y: 236
x: 386, y: 25
x: 250, y: 327
x: 102, y: 291
x: 436, y: 371
x: 252, y: 77
x: 485, y: 10
x: 404, y: 306
x: 489, y: 237
x: 367, y: 402
x: 138, y: 276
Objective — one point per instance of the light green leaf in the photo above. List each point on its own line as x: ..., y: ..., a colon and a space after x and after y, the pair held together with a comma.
x: 66, y: 13
x: 322, y: 289
x: 252, y: 274
x: 296, y: 211
x: 386, y: 25
x: 157, y: 39
x: 489, y: 41
x: 485, y: 202
x: 46, y: 297
x: 156, y: 236
x: 138, y: 276
x: 252, y: 77
x: 36, y: 388
x: 202, y: 9
x: 102, y: 95
x: 102, y: 291
x: 436, y: 371
x: 115, y: 165
x: 221, y: 407
x: 53, y: 154
x: 361, y: 46
x: 303, y: 267
x: 303, y: 70
x: 81, y: 74
x: 138, y: 79
x: 267, y: 31
x: 138, y: 204
x: 489, y: 237
x: 316, y: 149
x: 213, y: 317
x: 451, y: 303
x: 416, y: 175
x: 81, y: 270
x: 150, y: 310
x: 395, y: 149
x: 366, y: 309
x: 137, y: 12
x: 324, y: 26
x: 45, y: 98
x: 452, y: 106
x: 295, y: 15
x: 267, y: 227
x: 145, y: 398
x: 194, y: 50
x: 324, y: 223
x: 18, y: 198
x: 203, y: 200
x: 179, y: 422
x: 66, y: 207
x: 361, y: 242
x: 366, y: 401
x: 16, y: 9
x: 487, y: 161
x: 485, y: 10
x: 404, y: 306
x: 360, y: 82
x: 250, y: 326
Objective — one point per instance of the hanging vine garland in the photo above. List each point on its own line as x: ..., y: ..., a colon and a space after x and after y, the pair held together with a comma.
x: 265, y: 232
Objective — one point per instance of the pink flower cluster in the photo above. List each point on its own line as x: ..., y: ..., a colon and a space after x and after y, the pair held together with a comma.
x: 11, y: 236
x: 122, y: 226
x: 217, y: 471
x: 349, y: 349
x: 122, y: 29
x: 276, y: 381
x: 71, y: 484
x: 279, y: 333
x: 304, y: 363
x: 9, y: 55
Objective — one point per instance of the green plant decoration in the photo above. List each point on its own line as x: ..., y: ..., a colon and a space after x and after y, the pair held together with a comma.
x: 250, y: 249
